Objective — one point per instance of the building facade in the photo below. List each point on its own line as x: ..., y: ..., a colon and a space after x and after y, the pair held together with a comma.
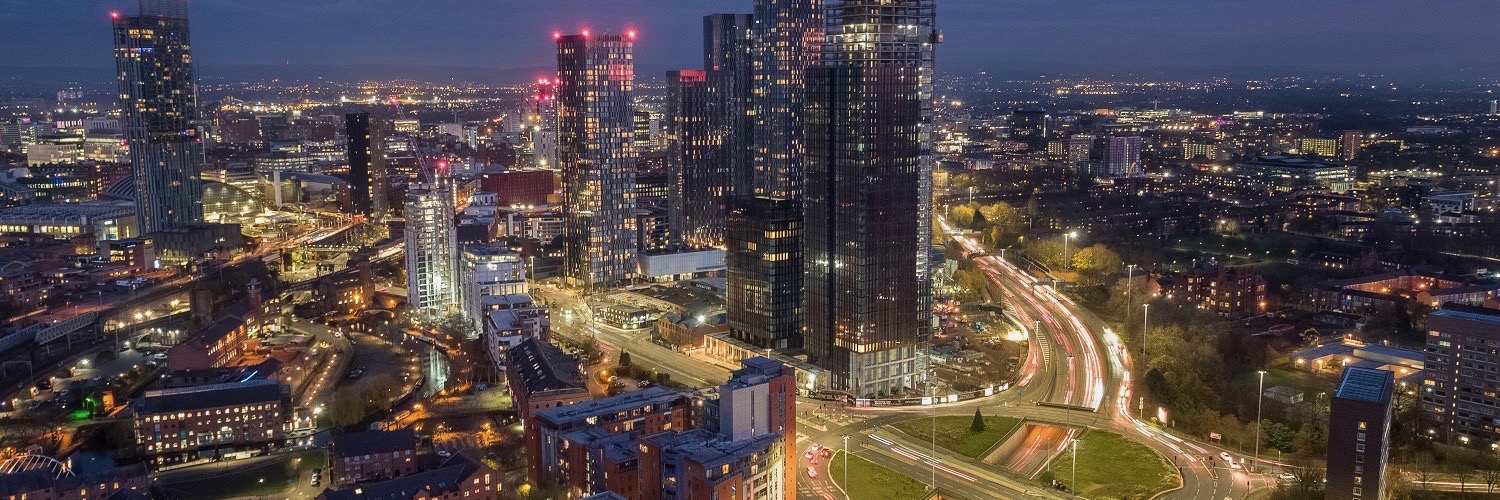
x: 179, y: 424
x: 764, y: 269
x: 432, y: 286
x: 487, y: 270
x: 867, y: 307
x: 596, y: 74
x: 1359, y: 433
x: 159, y: 102
x: 699, y: 180
x: 366, y: 157
x: 728, y: 61
x: 373, y: 456
x: 1458, y: 390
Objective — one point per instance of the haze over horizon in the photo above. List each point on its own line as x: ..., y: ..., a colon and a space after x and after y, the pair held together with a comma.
x: 1011, y: 38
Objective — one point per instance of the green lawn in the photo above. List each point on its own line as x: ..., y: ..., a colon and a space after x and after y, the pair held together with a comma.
x: 873, y: 482
x: 266, y: 479
x: 1110, y: 466
x: 953, y: 432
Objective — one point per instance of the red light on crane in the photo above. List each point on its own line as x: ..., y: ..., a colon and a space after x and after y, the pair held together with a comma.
x: 442, y: 165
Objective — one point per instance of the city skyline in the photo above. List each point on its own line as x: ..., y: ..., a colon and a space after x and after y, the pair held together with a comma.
x: 1009, y: 39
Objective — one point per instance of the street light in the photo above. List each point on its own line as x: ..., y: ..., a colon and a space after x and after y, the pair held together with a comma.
x: 1145, y: 329
x: 1066, y: 237
x: 1260, y: 398
x: 1074, y: 489
x: 846, y: 465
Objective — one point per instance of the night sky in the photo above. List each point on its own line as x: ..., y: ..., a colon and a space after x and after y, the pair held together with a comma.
x: 1008, y: 37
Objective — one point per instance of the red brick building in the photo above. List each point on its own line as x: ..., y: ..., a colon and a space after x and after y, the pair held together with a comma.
x: 173, y: 425
x: 373, y: 456
x: 457, y: 478
x: 519, y: 187
x: 541, y: 376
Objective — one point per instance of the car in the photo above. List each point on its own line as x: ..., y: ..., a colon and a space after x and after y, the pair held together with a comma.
x: 815, y: 447
x: 444, y: 453
x: 812, y: 472
x: 316, y: 481
x: 1225, y: 455
x: 827, y: 453
x: 1234, y: 465
x: 1286, y: 476
x: 808, y: 455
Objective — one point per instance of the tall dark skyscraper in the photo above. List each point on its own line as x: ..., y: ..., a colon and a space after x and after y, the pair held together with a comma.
x: 154, y: 60
x: 727, y: 59
x: 367, y: 181
x: 1359, y: 434
x: 764, y: 257
x: 867, y: 305
x: 595, y: 148
x: 787, y: 37
x: 764, y: 226
x: 698, y: 180
x: 1029, y: 126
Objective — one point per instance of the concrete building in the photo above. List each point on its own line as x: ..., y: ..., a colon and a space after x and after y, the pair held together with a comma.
x: 486, y: 270
x: 1457, y: 392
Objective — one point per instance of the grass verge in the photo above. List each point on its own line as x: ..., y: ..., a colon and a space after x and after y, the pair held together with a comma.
x: 869, y: 481
x: 954, y: 434
x: 1111, y: 466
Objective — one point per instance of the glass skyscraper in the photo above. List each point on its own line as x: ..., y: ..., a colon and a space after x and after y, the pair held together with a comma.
x: 154, y: 62
x: 596, y: 153
x: 764, y: 235
x: 868, y: 303
x: 367, y: 181
x: 432, y: 287
x: 727, y: 60
x: 699, y: 180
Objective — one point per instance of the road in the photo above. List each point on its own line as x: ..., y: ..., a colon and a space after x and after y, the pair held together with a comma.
x: 1099, y: 379
x: 577, y: 323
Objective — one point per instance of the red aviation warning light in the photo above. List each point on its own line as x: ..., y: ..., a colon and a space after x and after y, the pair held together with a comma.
x: 585, y: 32
x: 630, y: 34
x: 557, y: 35
x: 114, y: 15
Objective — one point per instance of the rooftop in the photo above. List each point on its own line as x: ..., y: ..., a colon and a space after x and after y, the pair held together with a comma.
x: 210, y: 396
x: 374, y: 442
x: 1468, y: 313
x: 543, y: 367
x: 85, y: 212
x: 649, y: 397
x: 437, y: 483
x: 1365, y: 384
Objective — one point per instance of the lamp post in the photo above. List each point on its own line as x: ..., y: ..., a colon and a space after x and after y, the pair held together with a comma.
x: 1145, y: 328
x: 1260, y: 398
x: 1067, y: 261
x: 846, y: 465
x: 1074, y: 489
x: 1129, y: 284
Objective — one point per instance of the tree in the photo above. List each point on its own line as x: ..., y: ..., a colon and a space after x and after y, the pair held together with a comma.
x: 1276, y: 435
x: 1464, y: 473
x: 1491, y: 476
x: 963, y: 215
x: 624, y: 359
x: 978, y: 425
x: 347, y: 408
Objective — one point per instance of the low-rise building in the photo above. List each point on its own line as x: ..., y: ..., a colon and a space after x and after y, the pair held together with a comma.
x: 173, y: 425
x: 123, y: 482
x: 541, y: 376
x: 373, y: 456
x: 457, y: 478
